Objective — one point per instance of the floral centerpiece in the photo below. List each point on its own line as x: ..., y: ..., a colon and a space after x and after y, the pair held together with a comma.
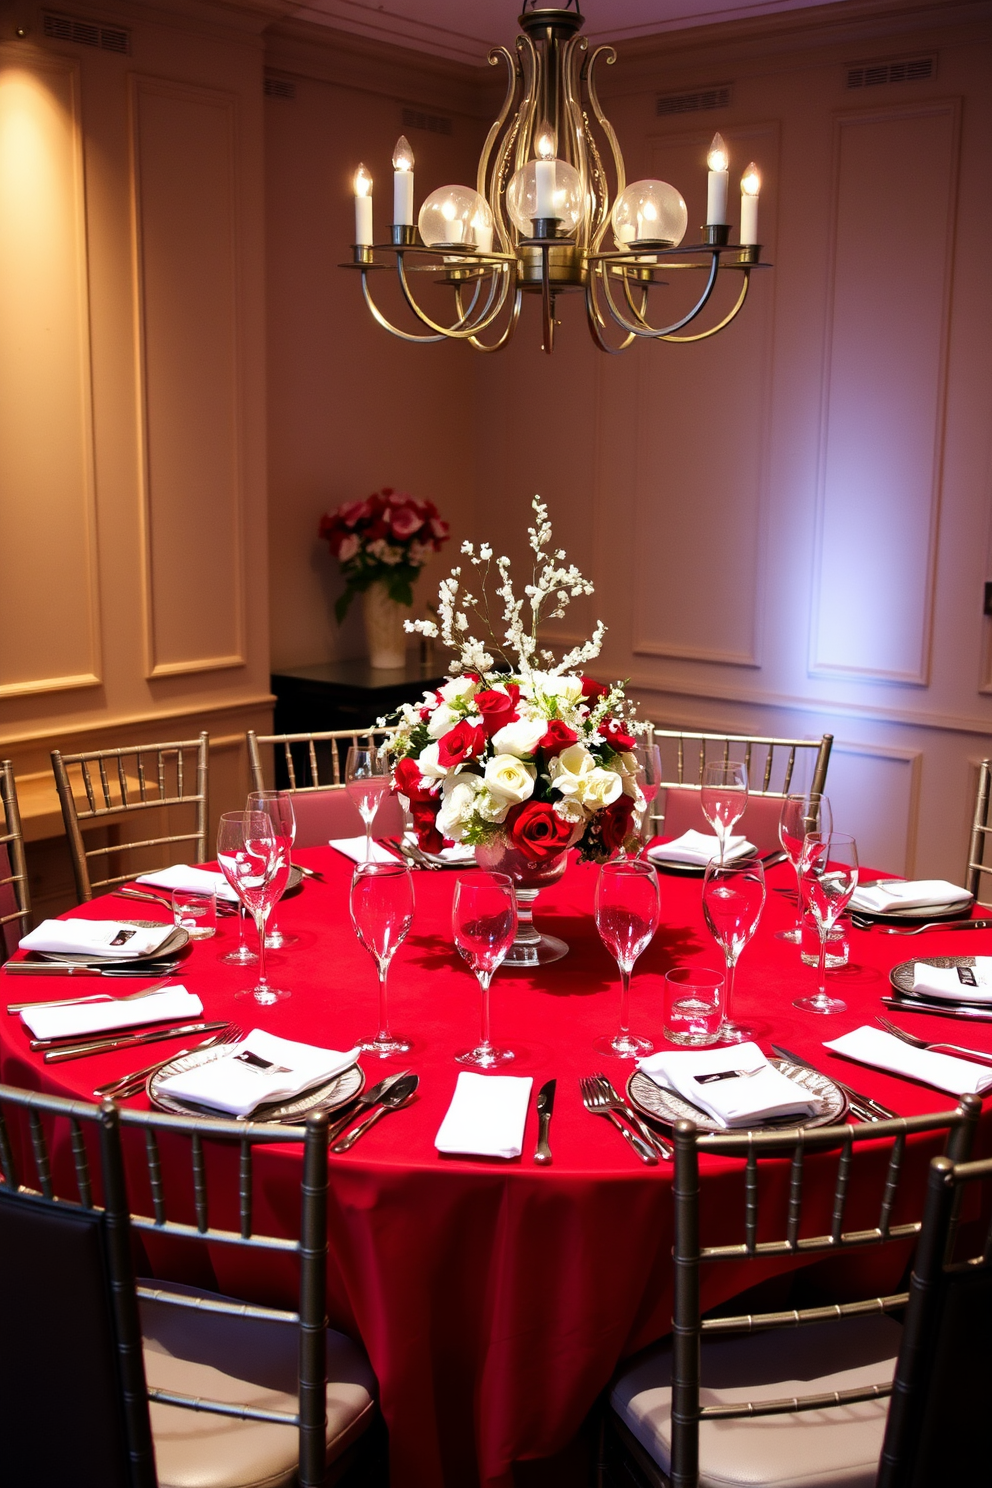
x: 382, y: 543
x: 518, y: 755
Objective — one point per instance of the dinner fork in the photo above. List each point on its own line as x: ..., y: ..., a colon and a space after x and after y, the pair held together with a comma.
x: 861, y: 922
x: 598, y: 1104
x: 940, y: 1048
x: 130, y: 1084
x: 617, y: 1104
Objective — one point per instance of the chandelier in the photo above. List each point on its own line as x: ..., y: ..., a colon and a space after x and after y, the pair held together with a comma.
x: 542, y: 221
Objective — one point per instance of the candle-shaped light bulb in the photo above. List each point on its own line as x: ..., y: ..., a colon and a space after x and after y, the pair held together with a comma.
x: 403, y: 183
x: 647, y: 217
x: 717, y: 182
x: 545, y: 175
x: 454, y: 229
x: 363, y: 207
x: 750, y: 188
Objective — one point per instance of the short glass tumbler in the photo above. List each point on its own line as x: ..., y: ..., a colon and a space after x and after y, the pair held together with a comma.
x: 195, y: 913
x: 693, y: 1005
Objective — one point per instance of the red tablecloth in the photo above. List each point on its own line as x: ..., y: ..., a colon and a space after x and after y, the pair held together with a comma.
x: 495, y: 1298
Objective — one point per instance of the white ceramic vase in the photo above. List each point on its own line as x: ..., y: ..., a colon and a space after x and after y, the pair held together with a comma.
x: 384, y: 629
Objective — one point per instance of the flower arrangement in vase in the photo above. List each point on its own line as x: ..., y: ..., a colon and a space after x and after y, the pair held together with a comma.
x: 518, y: 754
x: 382, y: 543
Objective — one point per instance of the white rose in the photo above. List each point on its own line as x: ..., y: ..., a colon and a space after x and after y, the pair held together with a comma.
x: 570, y: 810
x: 458, y: 804
x: 509, y: 780
x: 568, y: 768
x: 521, y: 737
x: 491, y: 808
x: 440, y: 721
x: 459, y: 689
x: 569, y: 689
x: 427, y: 764
x: 598, y: 788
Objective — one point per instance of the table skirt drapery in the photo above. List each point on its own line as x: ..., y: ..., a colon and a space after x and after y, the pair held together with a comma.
x: 494, y: 1299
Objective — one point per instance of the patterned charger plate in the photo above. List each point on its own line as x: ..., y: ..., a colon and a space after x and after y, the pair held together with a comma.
x: 919, y: 912
x: 901, y: 976
x: 173, y: 943
x: 666, y: 1107
x: 325, y: 1097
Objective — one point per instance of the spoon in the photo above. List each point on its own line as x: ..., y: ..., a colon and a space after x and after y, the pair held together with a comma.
x: 401, y: 1092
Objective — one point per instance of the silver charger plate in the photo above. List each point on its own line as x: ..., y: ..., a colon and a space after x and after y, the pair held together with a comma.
x: 918, y: 912
x: 326, y: 1097
x: 901, y: 977
x: 294, y: 882
x: 666, y: 1107
x: 172, y: 943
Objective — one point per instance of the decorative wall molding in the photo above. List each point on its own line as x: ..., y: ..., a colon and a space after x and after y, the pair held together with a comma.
x: 185, y: 223
x: 880, y: 808
x: 883, y: 399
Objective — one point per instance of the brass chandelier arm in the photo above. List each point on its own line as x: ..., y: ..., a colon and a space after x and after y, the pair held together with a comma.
x: 508, y: 330
x: 663, y: 332
x: 608, y: 130
x: 387, y: 325
x: 484, y: 319
x: 497, y: 55
x: 460, y: 331
x: 598, y: 323
x: 704, y: 335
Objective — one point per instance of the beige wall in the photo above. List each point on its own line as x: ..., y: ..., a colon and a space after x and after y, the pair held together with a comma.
x: 133, y: 565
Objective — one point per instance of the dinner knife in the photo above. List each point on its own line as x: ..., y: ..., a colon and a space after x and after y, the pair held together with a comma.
x: 106, y: 1046
x: 367, y: 1098
x: 87, y: 968
x: 545, y: 1108
x: 911, y: 1004
x: 873, y: 1109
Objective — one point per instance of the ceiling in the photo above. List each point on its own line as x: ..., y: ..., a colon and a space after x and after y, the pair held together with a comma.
x: 465, y: 29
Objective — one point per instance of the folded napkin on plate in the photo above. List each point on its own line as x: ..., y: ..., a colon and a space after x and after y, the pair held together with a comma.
x: 102, y: 939
x: 959, y: 983
x: 896, y: 893
x: 486, y: 1116
x: 884, y: 1051
x: 699, y: 848
x: 354, y: 848
x: 455, y: 852
x: 99, y: 1017
x: 760, y: 1091
x: 191, y: 880
x: 256, y: 1072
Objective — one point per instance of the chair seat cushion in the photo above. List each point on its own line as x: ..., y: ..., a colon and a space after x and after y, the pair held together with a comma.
x: 244, y: 1361
x: 834, y: 1448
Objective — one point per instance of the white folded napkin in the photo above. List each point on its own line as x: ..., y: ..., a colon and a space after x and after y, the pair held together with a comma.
x: 354, y: 848
x: 756, y: 1094
x: 896, y: 893
x: 699, y: 848
x: 98, y: 1017
x: 455, y: 852
x: 102, y: 939
x: 884, y: 1051
x: 191, y: 880
x: 486, y: 1116
x: 960, y: 983
x: 259, y: 1070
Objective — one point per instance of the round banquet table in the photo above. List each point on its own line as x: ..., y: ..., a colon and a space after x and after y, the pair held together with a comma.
x: 495, y: 1298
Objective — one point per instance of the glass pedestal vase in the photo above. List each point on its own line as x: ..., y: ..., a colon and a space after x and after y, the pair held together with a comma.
x: 530, y: 948
x: 384, y: 631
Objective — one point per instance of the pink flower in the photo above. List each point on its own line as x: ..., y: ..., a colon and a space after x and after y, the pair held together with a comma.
x: 405, y: 522
x: 349, y: 547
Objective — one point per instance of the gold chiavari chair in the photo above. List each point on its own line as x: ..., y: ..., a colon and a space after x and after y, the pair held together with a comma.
x: 106, y: 788
x: 981, y: 831
x: 775, y: 767
x: 314, y: 765
x: 15, y: 897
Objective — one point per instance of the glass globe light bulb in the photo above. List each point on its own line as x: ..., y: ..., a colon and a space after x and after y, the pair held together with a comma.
x: 455, y: 214
x: 521, y: 197
x: 649, y: 211
x: 751, y: 180
x: 718, y: 158
x: 363, y: 181
x: 403, y: 155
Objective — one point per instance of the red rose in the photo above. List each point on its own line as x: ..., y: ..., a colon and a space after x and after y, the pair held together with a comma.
x: 461, y: 743
x: 537, y: 831
x: 404, y: 522
x: 406, y: 780
x: 497, y: 708
x: 615, y: 823
x: 592, y: 691
x: 558, y: 737
x: 440, y: 530
x: 425, y: 825
x: 619, y: 739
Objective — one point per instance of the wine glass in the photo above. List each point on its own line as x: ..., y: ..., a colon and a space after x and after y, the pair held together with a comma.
x: 484, y: 922
x: 724, y: 797
x: 248, y: 854
x: 279, y: 806
x: 242, y: 955
x: 828, y: 878
x: 733, y: 898
x: 382, y: 913
x: 648, y: 758
x: 801, y: 814
x: 628, y: 906
x: 367, y: 778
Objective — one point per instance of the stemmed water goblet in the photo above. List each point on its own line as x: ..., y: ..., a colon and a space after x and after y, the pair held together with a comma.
x: 628, y: 906
x: 278, y: 805
x: 248, y: 854
x: 484, y: 922
x: 723, y: 797
x: 801, y: 814
x: 648, y: 758
x: 367, y: 779
x: 242, y: 955
x: 828, y: 878
x: 382, y: 913
x: 733, y: 898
